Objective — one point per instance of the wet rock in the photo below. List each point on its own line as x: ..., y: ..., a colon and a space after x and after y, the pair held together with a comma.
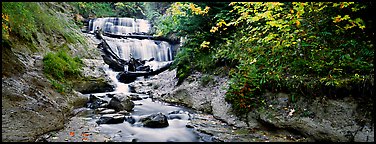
x: 123, y: 112
x: 121, y: 102
x: 110, y: 95
x: 130, y: 119
x: 157, y: 120
x: 96, y: 102
x: 135, y: 97
x: 107, y: 111
x: 111, y: 119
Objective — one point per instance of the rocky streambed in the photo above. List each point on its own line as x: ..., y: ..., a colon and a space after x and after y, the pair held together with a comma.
x: 155, y: 109
x: 124, y: 115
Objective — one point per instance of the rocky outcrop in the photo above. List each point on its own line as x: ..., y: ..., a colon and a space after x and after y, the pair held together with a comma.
x: 320, y: 118
x: 30, y: 104
x: 191, y: 93
x: 308, y: 119
x: 95, y: 79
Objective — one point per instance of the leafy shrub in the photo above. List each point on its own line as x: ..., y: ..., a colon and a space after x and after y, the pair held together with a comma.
x: 60, y: 67
x: 311, y: 49
x: 23, y: 20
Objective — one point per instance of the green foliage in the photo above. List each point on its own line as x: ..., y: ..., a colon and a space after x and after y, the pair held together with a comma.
x: 25, y: 20
x: 110, y: 9
x: 154, y: 11
x: 130, y: 9
x: 310, y: 49
x: 20, y: 18
x: 60, y: 67
x: 206, y: 79
x: 97, y: 9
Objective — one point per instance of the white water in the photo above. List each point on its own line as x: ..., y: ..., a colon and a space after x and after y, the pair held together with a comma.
x: 126, y: 132
x: 144, y: 50
x: 140, y: 49
x: 120, y: 26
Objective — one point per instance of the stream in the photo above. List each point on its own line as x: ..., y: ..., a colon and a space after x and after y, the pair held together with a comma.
x: 123, y: 116
x: 90, y: 122
x: 178, y: 118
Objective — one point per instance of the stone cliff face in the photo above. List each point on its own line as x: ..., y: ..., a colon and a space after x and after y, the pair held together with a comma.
x: 30, y: 106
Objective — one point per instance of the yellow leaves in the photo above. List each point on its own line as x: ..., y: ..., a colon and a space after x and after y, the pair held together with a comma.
x: 214, y: 29
x: 337, y: 19
x: 5, y: 17
x: 119, y: 4
x: 178, y: 8
x: 357, y: 22
x: 297, y: 23
x: 204, y: 44
x: 220, y: 24
x: 5, y: 25
x: 175, y: 9
x: 197, y: 10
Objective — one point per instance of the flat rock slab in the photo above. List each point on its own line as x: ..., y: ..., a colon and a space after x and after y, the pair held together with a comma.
x: 111, y: 119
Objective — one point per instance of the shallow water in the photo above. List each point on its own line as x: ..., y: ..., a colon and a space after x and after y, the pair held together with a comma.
x: 125, y: 132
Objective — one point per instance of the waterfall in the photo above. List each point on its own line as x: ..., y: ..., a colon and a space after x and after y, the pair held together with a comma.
x: 120, y: 26
x: 140, y: 49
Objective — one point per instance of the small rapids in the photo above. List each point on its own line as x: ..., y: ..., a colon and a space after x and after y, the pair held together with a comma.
x: 127, y: 132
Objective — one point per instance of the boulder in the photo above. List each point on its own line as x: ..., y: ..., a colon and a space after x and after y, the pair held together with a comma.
x: 111, y: 119
x: 157, y: 120
x: 93, y: 86
x: 121, y: 102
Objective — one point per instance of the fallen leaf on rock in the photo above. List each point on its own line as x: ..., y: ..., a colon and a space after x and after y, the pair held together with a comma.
x: 71, y: 133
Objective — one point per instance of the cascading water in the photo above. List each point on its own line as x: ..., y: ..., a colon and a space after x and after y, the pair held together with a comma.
x: 120, y: 26
x: 140, y: 49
